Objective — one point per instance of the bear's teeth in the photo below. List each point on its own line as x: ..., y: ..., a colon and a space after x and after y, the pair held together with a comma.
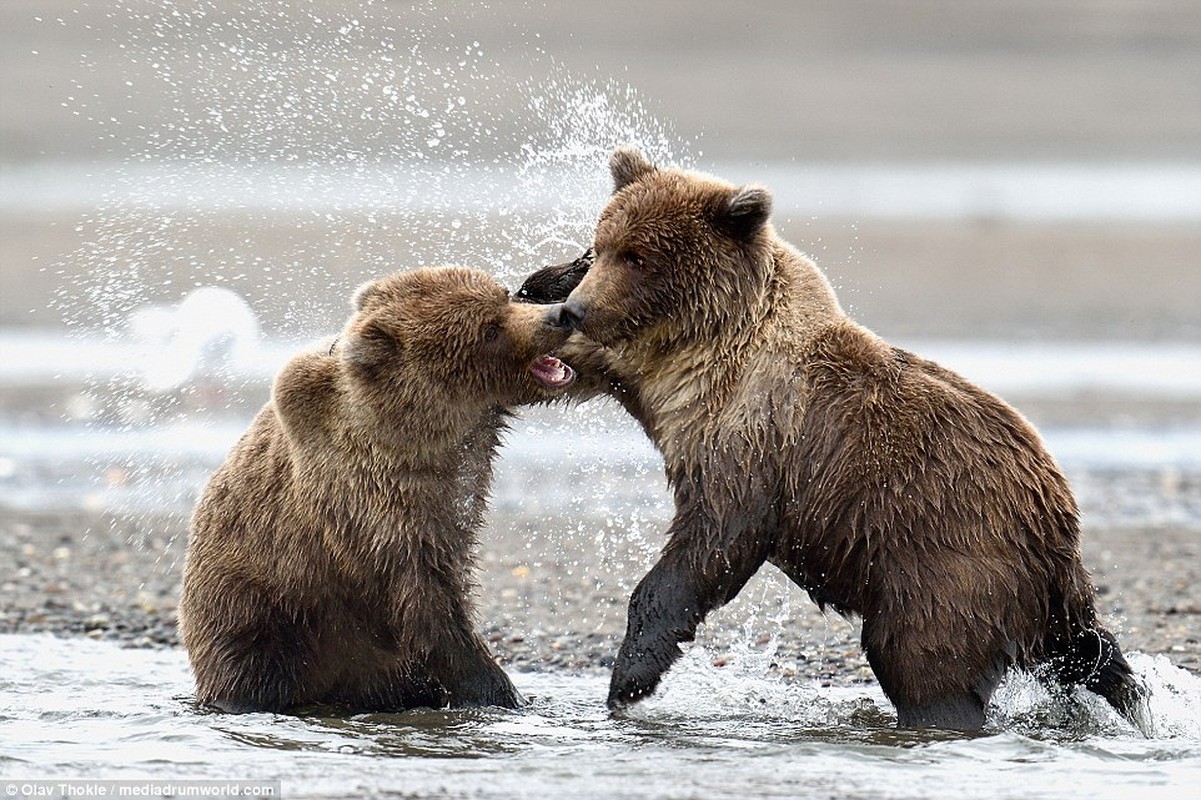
x: 552, y: 372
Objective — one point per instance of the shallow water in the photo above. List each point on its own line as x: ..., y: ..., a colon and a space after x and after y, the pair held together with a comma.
x: 126, y: 436
x: 714, y: 732
x: 1038, y: 192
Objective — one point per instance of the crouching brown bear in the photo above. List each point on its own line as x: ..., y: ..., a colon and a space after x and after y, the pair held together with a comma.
x: 330, y: 558
x: 883, y: 484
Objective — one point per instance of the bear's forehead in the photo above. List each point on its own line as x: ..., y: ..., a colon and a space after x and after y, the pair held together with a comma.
x: 428, y: 291
x: 631, y: 232
x: 455, y: 306
x: 437, y: 300
x: 445, y: 280
x: 668, y: 198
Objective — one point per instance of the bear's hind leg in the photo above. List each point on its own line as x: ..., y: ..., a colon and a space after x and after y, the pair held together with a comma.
x: 926, y: 695
x: 964, y: 712
x: 1092, y: 658
x: 487, y: 685
x: 259, y: 669
x: 471, y: 676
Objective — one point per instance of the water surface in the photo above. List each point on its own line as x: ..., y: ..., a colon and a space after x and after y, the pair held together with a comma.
x: 83, y: 709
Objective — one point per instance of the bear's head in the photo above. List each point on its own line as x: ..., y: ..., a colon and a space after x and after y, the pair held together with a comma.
x: 677, y: 254
x: 453, y: 334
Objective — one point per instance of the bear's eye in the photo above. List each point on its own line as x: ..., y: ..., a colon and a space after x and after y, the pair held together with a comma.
x: 491, y: 332
x: 634, y: 260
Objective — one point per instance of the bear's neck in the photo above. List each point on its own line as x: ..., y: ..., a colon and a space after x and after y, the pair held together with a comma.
x: 426, y: 434
x: 803, y: 300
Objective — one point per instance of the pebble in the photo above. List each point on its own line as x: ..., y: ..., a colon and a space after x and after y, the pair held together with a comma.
x: 535, y: 616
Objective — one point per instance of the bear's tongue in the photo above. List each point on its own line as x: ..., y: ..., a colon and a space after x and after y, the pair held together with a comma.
x: 551, y: 372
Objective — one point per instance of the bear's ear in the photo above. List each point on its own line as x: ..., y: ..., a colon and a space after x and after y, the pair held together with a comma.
x: 368, y: 346
x: 363, y: 295
x: 628, y: 165
x: 744, y: 213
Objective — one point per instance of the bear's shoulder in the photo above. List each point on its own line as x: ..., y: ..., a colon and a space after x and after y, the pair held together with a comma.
x: 306, y: 395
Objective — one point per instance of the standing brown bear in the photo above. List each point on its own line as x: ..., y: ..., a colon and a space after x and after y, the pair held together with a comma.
x: 331, y: 556
x: 883, y: 484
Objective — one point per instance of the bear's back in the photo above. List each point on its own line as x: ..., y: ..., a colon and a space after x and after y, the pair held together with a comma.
x: 906, y: 463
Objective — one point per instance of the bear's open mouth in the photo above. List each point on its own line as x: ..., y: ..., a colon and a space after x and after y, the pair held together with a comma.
x: 551, y: 372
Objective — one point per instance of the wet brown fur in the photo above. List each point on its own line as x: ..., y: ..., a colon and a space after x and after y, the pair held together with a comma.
x: 885, y: 485
x: 331, y: 556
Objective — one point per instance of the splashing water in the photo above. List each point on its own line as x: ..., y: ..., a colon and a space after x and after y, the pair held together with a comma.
x: 211, y: 331
x: 717, y: 732
x: 368, y: 140
x: 297, y: 149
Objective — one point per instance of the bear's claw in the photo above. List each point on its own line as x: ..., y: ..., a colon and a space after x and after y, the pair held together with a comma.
x: 553, y: 284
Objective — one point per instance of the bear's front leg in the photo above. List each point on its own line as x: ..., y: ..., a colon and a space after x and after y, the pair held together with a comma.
x: 553, y: 284
x: 702, y: 568
x: 664, y: 611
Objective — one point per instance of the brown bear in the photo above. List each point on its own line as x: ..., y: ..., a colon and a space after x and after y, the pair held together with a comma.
x: 330, y: 558
x: 885, y: 485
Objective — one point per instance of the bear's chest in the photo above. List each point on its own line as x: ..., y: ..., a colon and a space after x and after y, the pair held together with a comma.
x: 736, y: 427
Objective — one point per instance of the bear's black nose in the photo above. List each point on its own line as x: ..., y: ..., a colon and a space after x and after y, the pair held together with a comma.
x: 571, y: 314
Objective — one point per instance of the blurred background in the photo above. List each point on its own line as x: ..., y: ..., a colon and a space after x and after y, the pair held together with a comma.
x: 969, y: 169
x: 1001, y: 169
x: 190, y: 190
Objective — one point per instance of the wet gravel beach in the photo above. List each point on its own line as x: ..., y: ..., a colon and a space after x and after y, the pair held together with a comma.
x: 552, y: 590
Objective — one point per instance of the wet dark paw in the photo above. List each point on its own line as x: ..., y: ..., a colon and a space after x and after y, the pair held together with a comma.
x: 626, y: 689
x: 553, y: 284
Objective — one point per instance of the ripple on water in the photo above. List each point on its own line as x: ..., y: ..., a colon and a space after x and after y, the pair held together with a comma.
x: 75, y: 708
